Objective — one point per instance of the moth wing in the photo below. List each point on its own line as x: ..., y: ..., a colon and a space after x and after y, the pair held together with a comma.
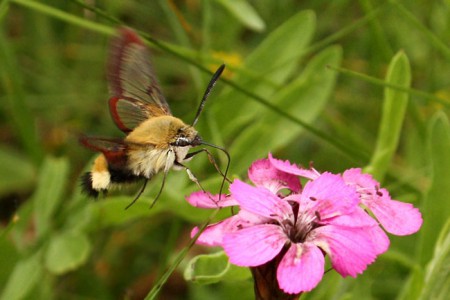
x: 128, y: 113
x: 114, y: 150
x: 131, y: 78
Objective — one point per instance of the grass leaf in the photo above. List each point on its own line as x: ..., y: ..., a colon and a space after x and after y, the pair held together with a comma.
x: 19, y: 112
x: 66, y: 252
x: 264, y: 70
x: 305, y: 98
x: 51, y: 187
x: 24, y: 277
x: 436, y: 204
x: 393, y: 113
x: 17, y: 173
x: 215, y: 267
x: 244, y: 13
x: 437, y: 277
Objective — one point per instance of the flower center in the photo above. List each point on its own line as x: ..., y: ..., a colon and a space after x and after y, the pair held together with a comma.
x: 299, y: 228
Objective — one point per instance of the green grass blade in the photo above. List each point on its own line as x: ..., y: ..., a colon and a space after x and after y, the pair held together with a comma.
x: 436, y: 204
x: 66, y: 252
x: 24, y: 278
x: 383, y: 83
x: 214, y: 267
x: 432, y: 38
x: 20, y: 114
x: 393, y: 114
x: 244, y: 13
x: 437, y: 277
x: 17, y: 172
x: 305, y: 97
x: 4, y: 7
x: 180, y: 256
x: 265, y: 69
x: 51, y: 184
x: 66, y: 17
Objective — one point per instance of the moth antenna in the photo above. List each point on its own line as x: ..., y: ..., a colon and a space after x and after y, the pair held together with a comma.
x: 225, y: 178
x: 211, y: 84
x: 138, y: 195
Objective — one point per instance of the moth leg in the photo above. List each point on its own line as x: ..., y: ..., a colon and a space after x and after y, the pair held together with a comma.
x: 190, y: 175
x: 211, y: 160
x: 160, y: 190
x: 196, y: 181
x: 138, y: 195
x: 169, y: 161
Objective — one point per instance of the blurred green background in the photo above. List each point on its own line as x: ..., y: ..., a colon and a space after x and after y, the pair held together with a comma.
x: 305, y: 80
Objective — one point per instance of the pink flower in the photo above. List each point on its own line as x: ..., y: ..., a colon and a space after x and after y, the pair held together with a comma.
x: 293, y: 227
x: 397, y: 217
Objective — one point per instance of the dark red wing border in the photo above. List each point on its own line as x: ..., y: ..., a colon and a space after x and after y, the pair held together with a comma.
x: 115, y: 150
x: 117, y: 48
x: 131, y: 79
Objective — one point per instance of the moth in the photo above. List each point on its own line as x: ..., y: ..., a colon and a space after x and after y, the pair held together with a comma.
x: 155, y: 141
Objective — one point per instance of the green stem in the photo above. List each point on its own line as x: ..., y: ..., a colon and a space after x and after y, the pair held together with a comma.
x: 380, y: 82
x: 159, y: 284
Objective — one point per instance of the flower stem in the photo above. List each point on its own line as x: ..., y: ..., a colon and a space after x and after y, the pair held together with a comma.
x: 266, y: 283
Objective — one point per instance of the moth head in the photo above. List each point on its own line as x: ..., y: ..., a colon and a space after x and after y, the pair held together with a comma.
x: 186, y: 136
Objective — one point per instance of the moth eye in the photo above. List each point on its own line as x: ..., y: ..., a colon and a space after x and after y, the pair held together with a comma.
x: 182, y: 141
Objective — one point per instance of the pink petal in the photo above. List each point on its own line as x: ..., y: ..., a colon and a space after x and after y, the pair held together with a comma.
x: 301, y: 268
x: 287, y: 167
x: 357, y: 218
x: 262, y: 173
x: 360, y: 218
x: 350, y: 249
x: 355, y: 177
x: 329, y: 196
x: 379, y: 239
x: 214, y: 233
x: 255, y: 245
x: 250, y: 219
x: 207, y: 200
x: 260, y: 201
x: 397, y: 217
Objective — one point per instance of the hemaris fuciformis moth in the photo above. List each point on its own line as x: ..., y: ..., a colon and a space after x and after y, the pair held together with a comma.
x: 155, y: 140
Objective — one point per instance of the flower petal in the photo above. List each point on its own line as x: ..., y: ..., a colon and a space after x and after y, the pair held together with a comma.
x: 214, y: 233
x: 355, y: 177
x: 329, y: 196
x: 379, y: 239
x: 255, y: 245
x: 350, y: 249
x: 262, y: 173
x: 357, y: 218
x: 301, y: 268
x: 360, y: 218
x: 260, y: 201
x: 397, y: 217
x: 207, y: 200
x: 287, y: 167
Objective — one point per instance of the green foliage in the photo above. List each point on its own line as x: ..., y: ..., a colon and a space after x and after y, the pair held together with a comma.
x: 212, y: 268
x: 304, y: 80
x: 244, y: 13
x: 394, y: 107
x: 436, y: 203
x: 437, y: 276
